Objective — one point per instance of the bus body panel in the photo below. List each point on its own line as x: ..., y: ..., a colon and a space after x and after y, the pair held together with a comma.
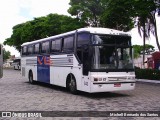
x: 17, y: 63
x: 86, y: 84
x: 125, y: 80
x: 43, y: 68
x: 112, y: 81
x: 111, y: 87
x: 60, y: 76
x: 77, y: 72
x: 31, y: 65
x: 62, y: 66
x: 57, y: 74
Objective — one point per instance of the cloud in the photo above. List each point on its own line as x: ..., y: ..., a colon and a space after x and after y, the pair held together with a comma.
x: 9, y: 14
x: 44, y: 7
x: 13, y: 12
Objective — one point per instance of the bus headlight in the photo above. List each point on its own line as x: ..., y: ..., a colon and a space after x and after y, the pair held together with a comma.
x: 95, y: 79
x: 104, y: 79
x: 99, y: 79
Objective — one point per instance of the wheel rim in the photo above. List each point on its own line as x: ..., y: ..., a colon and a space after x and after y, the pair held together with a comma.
x: 30, y: 78
x: 72, y: 84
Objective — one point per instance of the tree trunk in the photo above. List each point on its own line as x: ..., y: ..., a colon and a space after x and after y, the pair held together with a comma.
x: 144, y: 42
x: 156, y: 35
x: 155, y: 29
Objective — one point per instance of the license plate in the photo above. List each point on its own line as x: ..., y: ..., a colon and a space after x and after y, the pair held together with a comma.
x: 117, y: 85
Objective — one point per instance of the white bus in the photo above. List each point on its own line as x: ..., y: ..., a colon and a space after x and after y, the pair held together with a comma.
x: 87, y: 59
x: 17, y: 63
x: 1, y: 61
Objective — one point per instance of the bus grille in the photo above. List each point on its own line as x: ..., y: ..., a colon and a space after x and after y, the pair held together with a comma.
x: 117, y: 78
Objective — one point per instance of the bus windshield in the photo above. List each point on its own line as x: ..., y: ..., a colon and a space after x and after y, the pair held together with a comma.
x: 112, y: 52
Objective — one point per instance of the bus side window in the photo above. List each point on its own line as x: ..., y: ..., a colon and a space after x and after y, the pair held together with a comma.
x: 24, y: 50
x: 68, y: 44
x: 36, y: 48
x: 45, y: 47
x: 30, y: 50
x: 83, y: 40
x: 56, y: 45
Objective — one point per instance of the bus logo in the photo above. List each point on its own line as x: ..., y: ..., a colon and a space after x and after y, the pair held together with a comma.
x: 44, y: 60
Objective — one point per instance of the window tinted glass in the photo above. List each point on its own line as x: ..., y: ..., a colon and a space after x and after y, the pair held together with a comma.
x: 36, y: 48
x: 16, y: 60
x: 24, y: 50
x: 68, y: 43
x: 30, y: 49
x: 111, y: 39
x: 83, y: 39
x: 45, y: 47
x: 56, y: 45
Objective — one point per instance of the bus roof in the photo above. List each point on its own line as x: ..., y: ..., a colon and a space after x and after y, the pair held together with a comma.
x: 90, y: 29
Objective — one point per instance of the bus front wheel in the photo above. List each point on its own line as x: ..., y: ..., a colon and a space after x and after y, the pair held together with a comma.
x: 71, y: 84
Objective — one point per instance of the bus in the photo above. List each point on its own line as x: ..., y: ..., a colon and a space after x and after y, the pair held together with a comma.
x: 1, y: 61
x: 87, y: 59
x: 17, y: 63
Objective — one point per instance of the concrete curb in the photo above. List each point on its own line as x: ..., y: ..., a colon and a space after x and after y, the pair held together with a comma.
x: 148, y: 81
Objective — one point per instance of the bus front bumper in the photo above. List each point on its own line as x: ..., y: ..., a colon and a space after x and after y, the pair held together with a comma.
x: 112, y: 86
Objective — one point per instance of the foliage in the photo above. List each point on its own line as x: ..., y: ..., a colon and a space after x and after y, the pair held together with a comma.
x: 87, y: 10
x: 6, y: 55
x: 138, y: 49
x: 118, y: 15
x: 106, y: 13
x: 42, y: 27
x: 150, y: 74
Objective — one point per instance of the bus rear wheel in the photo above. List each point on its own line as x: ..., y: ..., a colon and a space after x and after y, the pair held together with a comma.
x: 71, y: 84
x: 31, y: 77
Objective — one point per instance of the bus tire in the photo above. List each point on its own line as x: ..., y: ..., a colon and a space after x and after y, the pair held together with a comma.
x: 71, y: 84
x: 31, y: 77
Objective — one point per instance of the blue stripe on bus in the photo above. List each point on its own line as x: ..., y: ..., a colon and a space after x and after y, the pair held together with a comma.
x: 43, y: 68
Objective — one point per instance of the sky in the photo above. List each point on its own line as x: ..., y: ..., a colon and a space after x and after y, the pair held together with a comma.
x: 13, y: 12
x: 136, y: 39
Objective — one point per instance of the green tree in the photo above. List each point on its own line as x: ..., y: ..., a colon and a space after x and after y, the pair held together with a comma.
x: 87, y: 10
x: 42, y: 27
x: 138, y: 50
x: 118, y: 14
x: 6, y: 55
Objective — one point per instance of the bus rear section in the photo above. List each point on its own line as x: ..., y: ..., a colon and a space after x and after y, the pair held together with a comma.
x: 1, y: 61
x: 16, y: 64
